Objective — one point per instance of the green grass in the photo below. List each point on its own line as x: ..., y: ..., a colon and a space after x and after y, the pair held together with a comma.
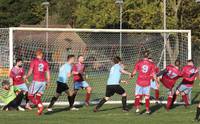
x: 109, y: 114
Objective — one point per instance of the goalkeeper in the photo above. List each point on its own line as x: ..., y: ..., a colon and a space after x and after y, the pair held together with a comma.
x: 11, y: 96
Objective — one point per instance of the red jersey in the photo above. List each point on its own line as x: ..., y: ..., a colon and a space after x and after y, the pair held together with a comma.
x: 187, y: 71
x: 17, y: 75
x: 145, y: 70
x: 40, y: 67
x: 156, y: 69
x: 169, y: 79
x: 78, y: 68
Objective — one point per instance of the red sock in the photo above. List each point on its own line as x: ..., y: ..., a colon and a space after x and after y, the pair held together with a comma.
x: 38, y: 98
x: 32, y: 99
x: 137, y: 101
x: 185, y: 99
x: 169, y: 101
x: 147, y: 102
x: 87, y: 97
x: 157, y: 94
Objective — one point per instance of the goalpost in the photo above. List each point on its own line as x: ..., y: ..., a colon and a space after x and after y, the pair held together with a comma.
x: 98, y: 46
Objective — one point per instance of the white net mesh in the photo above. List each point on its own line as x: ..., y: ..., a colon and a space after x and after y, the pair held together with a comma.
x: 98, y: 47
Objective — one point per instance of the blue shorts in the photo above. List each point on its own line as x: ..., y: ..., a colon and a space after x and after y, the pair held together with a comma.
x: 80, y: 85
x: 22, y: 87
x: 184, y: 88
x: 37, y: 87
x: 139, y: 90
x: 154, y: 85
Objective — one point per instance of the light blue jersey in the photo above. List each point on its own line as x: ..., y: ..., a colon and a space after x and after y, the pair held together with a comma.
x: 63, y: 71
x: 115, y: 75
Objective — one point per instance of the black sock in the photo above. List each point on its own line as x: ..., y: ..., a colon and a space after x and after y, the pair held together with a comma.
x: 26, y: 98
x: 197, y: 113
x: 53, y: 100
x: 173, y: 99
x: 100, y: 103
x: 71, y: 100
x: 124, y: 102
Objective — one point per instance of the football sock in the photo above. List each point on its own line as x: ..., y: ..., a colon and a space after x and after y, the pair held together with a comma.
x: 71, y: 100
x: 185, y: 99
x: 124, y: 99
x: 53, y: 100
x: 147, y: 104
x: 169, y: 102
x: 173, y: 99
x: 26, y: 98
x: 197, y: 113
x: 137, y: 102
x: 38, y: 98
x: 100, y: 103
x: 87, y: 97
x: 32, y: 99
x: 157, y: 94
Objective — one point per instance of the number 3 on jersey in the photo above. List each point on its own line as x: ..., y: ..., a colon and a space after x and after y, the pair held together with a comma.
x: 40, y: 67
x: 145, y: 68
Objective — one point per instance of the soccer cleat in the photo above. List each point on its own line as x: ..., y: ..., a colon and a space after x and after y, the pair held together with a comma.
x: 49, y: 109
x: 125, y: 110
x: 28, y: 106
x: 20, y: 108
x: 137, y: 110
x: 95, y: 110
x: 148, y: 112
x: 74, y: 109
x: 40, y: 109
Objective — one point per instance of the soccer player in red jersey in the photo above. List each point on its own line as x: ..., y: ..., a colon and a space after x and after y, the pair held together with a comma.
x: 39, y: 68
x: 146, y: 72
x: 78, y: 71
x: 154, y: 83
x: 169, y: 77
x: 17, y: 79
x: 189, y: 74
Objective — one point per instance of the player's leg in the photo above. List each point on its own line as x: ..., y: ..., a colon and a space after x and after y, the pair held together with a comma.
x: 61, y: 87
x: 110, y: 91
x: 146, y: 92
x: 24, y: 88
x: 169, y: 99
x: 156, y: 90
x: 197, y: 113
x: 138, y: 96
x: 185, y: 95
x: 71, y: 99
x: 121, y: 91
x: 88, y: 92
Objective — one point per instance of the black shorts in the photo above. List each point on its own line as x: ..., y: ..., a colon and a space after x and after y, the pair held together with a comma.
x: 112, y: 89
x: 61, y: 87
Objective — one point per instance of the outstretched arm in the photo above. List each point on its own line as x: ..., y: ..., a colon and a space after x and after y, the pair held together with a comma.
x: 161, y: 73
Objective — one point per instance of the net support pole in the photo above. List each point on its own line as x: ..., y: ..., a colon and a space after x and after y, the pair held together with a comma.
x: 10, y: 48
x: 165, y: 39
x: 189, y: 45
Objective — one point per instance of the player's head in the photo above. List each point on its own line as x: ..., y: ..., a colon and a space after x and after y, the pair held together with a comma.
x: 117, y: 60
x: 19, y: 62
x: 5, y: 84
x: 177, y: 62
x: 39, y: 53
x: 81, y: 58
x: 146, y: 54
x: 190, y: 62
x: 70, y: 59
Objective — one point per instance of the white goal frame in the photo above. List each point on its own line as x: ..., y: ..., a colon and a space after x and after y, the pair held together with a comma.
x: 11, y: 40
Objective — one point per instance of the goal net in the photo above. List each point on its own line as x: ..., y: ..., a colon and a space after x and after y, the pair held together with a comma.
x: 98, y: 46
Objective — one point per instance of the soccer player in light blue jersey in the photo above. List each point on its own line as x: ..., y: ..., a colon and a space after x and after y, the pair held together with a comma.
x: 113, y: 84
x: 63, y: 77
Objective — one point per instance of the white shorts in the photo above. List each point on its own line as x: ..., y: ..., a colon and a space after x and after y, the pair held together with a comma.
x: 139, y: 90
x: 22, y: 87
x: 37, y: 87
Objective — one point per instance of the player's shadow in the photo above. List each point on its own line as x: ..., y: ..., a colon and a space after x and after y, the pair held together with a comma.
x: 57, y: 110
x: 153, y: 108
x: 194, y: 101
x: 108, y: 109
